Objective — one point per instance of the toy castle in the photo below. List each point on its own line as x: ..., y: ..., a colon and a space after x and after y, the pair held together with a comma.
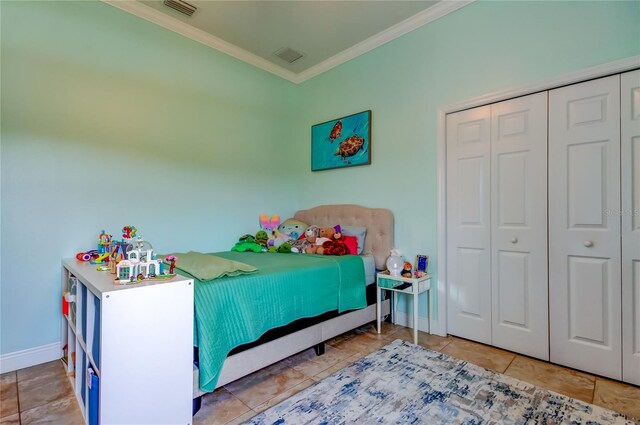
x: 138, y: 265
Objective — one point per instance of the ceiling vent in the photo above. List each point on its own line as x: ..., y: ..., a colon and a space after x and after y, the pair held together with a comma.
x: 181, y: 6
x: 288, y: 54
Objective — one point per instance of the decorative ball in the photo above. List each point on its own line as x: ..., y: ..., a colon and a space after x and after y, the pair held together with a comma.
x: 395, y: 264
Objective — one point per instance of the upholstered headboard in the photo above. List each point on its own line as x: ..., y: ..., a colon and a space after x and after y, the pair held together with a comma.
x: 378, y: 221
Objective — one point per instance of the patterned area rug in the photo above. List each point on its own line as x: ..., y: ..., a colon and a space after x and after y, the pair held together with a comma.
x: 407, y: 384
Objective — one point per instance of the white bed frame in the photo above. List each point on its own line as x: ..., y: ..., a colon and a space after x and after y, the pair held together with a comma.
x: 379, y: 241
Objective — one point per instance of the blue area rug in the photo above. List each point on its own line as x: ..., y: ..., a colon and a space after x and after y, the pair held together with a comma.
x: 407, y: 384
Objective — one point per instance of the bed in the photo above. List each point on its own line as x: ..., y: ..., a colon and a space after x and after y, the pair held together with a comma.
x: 343, y: 300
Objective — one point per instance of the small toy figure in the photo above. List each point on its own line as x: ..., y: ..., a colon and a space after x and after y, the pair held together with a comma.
x: 173, y: 261
x: 104, y: 241
x: 116, y: 255
x: 406, y: 270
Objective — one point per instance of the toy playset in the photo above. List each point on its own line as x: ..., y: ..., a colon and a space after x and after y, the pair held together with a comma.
x: 131, y: 259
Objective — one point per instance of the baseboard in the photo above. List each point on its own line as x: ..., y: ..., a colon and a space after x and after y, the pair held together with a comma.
x: 404, y: 319
x: 30, y: 357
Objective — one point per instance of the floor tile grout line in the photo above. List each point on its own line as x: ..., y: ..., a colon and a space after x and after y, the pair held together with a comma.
x: 244, y: 413
x: 509, y: 365
x: 18, y: 400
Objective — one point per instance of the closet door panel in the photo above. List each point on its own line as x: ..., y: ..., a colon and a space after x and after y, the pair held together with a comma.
x: 519, y: 225
x: 468, y: 224
x: 630, y: 128
x: 584, y: 228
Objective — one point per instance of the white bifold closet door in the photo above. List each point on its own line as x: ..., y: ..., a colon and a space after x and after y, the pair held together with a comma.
x: 469, y: 224
x: 497, y: 224
x: 630, y: 128
x: 519, y: 225
x: 584, y: 226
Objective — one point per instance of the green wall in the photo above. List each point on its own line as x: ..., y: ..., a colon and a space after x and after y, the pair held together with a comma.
x: 482, y: 48
x: 109, y: 120
x: 105, y: 117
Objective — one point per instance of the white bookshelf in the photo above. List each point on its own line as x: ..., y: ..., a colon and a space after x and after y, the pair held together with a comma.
x: 137, y: 338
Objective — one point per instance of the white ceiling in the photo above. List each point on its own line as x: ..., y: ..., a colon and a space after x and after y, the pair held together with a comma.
x: 326, y: 32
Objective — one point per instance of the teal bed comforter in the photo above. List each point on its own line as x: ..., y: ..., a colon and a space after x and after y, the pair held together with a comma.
x: 232, y: 311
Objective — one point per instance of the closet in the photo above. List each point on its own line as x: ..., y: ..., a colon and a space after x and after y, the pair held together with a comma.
x: 543, y: 225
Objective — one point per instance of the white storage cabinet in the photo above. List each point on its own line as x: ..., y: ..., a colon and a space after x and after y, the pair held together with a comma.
x: 139, y: 341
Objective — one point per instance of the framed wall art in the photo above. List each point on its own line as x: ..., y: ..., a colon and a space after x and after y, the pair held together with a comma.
x: 342, y: 142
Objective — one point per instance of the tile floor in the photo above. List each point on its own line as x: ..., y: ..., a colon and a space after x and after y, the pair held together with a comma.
x: 42, y: 394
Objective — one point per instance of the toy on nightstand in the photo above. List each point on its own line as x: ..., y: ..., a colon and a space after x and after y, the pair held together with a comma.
x: 129, y: 232
x: 100, y: 255
x: 104, y: 241
x: 88, y: 255
x: 116, y: 255
x: 406, y: 270
x: 142, y: 265
x: 173, y: 262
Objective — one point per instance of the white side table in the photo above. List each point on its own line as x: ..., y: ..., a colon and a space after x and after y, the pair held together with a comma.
x: 396, y: 284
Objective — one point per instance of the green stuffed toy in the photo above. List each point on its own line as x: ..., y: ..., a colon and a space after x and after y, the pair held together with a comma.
x: 262, y: 237
x: 247, y: 243
x: 285, y: 248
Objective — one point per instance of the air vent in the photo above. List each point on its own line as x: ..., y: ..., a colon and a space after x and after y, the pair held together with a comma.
x: 181, y: 6
x: 288, y: 54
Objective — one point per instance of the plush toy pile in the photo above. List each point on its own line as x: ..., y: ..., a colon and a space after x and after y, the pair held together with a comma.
x: 295, y: 236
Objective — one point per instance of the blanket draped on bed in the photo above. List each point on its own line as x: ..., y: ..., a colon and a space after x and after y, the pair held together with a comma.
x: 233, y: 311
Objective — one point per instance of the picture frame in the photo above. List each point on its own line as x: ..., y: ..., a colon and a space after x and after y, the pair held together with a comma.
x: 341, y: 142
x: 422, y: 263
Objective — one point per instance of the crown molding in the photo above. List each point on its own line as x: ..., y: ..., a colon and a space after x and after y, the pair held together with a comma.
x: 430, y: 14
x: 150, y: 14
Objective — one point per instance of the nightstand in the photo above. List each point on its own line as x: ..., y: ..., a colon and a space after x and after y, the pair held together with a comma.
x: 395, y: 284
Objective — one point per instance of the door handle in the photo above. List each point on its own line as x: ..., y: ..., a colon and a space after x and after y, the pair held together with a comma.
x: 588, y: 244
x: 514, y: 240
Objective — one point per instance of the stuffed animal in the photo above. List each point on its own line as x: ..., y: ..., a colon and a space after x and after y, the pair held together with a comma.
x: 406, y: 270
x: 269, y: 225
x: 325, y: 234
x: 276, y: 239
x: 285, y: 248
x: 335, y: 245
x: 292, y: 228
x: 309, y: 240
x: 262, y: 237
x: 247, y: 243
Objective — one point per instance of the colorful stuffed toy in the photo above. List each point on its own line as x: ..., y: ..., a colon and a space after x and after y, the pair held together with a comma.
x: 276, y: 239
x: 269, y: 225
x: 292, y: 228
x: 308, y: 241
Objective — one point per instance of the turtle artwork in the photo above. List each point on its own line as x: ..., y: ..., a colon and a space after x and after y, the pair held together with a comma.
x: 341, y: 142
x: 350, y: 146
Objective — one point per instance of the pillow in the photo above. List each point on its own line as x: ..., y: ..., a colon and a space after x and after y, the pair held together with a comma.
x: 352, y: 244
x: 360, y: 232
